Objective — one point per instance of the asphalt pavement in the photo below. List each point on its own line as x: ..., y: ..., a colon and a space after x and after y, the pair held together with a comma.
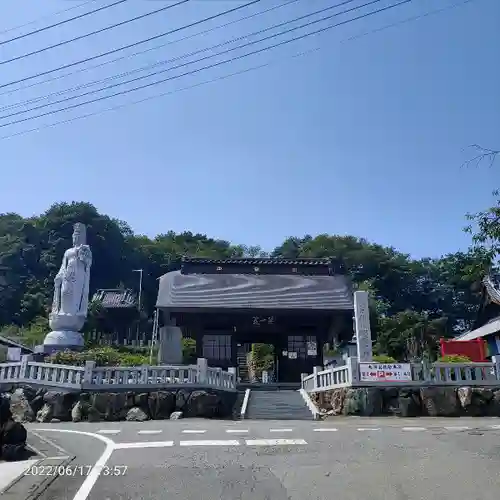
x: 342, y: 458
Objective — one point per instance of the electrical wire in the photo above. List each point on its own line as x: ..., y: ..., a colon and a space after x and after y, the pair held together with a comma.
x: 113, y: 26
x: 124, y: 47
x: 236, y: 73
x: 45, y: 28
x: 134, y: 89
x: 156, y: 47
x: 29, y: 23
x: 161, y: 63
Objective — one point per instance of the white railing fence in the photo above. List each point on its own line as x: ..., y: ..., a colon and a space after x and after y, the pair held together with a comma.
x: 339, y: 376
x: 112, y: 377
x: 451, y: 374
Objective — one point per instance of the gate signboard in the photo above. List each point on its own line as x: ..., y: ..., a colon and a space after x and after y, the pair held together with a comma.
x: 385, y: 372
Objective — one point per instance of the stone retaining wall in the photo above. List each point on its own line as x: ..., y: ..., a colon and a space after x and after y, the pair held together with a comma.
x: 29, y: 404
x: 410, y: 401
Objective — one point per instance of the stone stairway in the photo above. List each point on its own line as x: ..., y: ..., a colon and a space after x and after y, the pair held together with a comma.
x: 281, y: 404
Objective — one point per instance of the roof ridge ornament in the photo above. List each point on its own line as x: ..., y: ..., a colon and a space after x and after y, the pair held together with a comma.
x: 492, y: 291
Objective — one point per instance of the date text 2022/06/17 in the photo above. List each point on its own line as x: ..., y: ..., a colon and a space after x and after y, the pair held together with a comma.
x: 75, y: 470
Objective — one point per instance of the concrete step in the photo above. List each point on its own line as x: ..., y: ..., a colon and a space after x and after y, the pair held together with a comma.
x: 277, y: 405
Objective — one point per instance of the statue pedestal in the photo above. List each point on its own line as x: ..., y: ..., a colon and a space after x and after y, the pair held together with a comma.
x: 61, y: 340
x: 65, y: 333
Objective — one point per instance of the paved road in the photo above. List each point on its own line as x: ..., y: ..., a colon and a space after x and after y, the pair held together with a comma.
x: 372, y: 459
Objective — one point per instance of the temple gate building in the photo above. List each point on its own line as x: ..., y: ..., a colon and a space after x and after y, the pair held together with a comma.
x: 296, y: 306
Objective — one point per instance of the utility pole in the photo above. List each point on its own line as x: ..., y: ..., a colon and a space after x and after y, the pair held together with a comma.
x: 139, y: 301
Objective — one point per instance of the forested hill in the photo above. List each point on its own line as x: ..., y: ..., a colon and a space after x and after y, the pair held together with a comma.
x: 412, y: 299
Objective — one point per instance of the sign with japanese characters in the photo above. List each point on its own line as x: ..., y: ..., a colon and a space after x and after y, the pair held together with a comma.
x: 263, y: 320
x: 292, y: 355
x: 312, y: 349
x: 384, y: 372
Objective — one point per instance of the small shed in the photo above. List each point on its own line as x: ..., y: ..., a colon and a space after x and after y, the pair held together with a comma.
x: 118, y: 325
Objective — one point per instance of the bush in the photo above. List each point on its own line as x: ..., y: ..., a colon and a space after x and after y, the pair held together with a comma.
x: 383, y: 358
x: 189, y: 351
x: 454, y: 358
x: 103, y: 356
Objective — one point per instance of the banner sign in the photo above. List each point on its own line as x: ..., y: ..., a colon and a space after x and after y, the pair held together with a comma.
x: 385, y: 372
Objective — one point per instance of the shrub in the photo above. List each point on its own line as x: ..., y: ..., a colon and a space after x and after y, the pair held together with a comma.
x: 454, y: 358
x: 383, y: 358
x: 189, y: 351
x: 103, y: 356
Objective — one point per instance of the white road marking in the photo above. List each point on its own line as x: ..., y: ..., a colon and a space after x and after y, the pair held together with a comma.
x: 109, y: 431
x: 149, y: 432
x: 50, y: 443
x: 361, y: 429
x: 215, y: 442
x: 274, y: 442
x: 495, y: 426
x: 193, y: 431
x: 280, y: 430
x: 457, y: 428
x: 89, y: 482
x: 147, y: 444
x: 237, y: 431
x: 414, y: 429
x: 325, y: 429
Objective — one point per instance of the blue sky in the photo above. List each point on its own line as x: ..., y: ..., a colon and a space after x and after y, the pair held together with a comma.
x: 364, y: 137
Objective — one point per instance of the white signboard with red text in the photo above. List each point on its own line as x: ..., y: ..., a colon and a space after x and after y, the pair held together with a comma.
x: 384, y: 372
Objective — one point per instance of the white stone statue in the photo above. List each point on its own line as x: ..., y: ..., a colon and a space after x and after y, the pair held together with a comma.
x: 71, y: 293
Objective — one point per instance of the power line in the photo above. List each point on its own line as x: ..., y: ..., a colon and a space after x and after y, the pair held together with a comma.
x: 45, y: 28
x: 113, y: 26
x: 134, y: 89
x: 114, y: 51
x: 29, y: 23
x: 156, y: 47
x: 160, y: 63
x: 236, y: 73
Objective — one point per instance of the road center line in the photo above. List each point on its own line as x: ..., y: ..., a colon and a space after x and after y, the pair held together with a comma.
x: 457, y: 428
x: 193, y: 431
x: 149, y: 432
x: 325, y: 429
x: 237, y: 431
x: 109, y: 431
x: 215, y: 442
x: 414, y: 429
x: 362, y: 429
x: 274, y: 442
x: 143, y: 444
x: 280, y: 430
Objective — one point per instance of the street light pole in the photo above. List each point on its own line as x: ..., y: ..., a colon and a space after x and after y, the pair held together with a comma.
x: 139, y: 301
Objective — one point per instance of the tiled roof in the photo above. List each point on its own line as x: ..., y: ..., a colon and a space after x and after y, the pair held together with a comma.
x: 260, y: 261
x: 179, y: 291
x: 492, y: 289
x: 11, y: 343
x: 326, y: 267
x: 116, y: 298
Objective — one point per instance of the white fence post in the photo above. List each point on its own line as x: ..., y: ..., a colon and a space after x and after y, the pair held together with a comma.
x: 87, y: 374
x: 144, y: 374
x: 316, y: 369
x: 202, y: 370
x: 352, y: 370
x: 496, y: 360
x: 232, y: 370
x: 23, y: 369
